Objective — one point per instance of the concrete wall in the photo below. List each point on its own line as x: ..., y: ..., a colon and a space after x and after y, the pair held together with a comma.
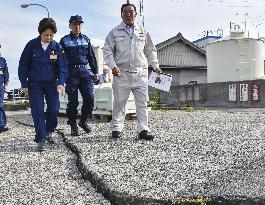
x: 211, y: 95
x: 184, y: 76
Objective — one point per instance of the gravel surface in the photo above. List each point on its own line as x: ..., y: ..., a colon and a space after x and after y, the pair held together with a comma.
x: 216, y: 154
x: 31, y: 177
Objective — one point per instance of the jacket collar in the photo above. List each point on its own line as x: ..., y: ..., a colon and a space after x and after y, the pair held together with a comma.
x: 52, y: 44
x: 72, y: 35
x: 122, y: 26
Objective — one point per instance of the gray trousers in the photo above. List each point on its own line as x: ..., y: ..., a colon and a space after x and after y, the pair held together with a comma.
x: 122, y: 86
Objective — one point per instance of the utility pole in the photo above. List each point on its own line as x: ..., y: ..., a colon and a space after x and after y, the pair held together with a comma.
x: 26, y: 5
x: 141, y: 4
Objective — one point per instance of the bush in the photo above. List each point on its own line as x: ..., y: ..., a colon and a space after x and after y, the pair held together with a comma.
x: 154, y: 98
x: 192, y: 201
x: 184, y: 106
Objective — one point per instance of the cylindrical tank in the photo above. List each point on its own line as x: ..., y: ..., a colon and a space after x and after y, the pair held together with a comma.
x: 236, y: 58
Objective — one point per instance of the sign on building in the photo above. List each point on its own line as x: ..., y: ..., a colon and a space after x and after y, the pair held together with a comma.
x: 255, y: 92
x: 232, y: 92
x: 243, y: 93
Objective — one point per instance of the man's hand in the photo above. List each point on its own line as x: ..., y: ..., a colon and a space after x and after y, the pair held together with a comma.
x: 60, y: 89
x: 25, y: 90
x: 158, y: 70
x: 116, y: 72
x: 96, y: 78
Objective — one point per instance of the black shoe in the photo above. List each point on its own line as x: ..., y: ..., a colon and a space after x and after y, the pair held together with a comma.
x: 74, y: 130
x: 84, y: 126
x: 42, y: 146
x: 116, y: 134
x: 3, y: 129
x: 143, y: 135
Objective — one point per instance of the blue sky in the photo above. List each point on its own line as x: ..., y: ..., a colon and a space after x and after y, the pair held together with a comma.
x: 163, y: 19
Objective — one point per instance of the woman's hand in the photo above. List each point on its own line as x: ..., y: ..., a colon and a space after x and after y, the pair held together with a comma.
x: 60, y: 89
x: 96, y: 78
x: 25, y: 90
x: 5, y: 88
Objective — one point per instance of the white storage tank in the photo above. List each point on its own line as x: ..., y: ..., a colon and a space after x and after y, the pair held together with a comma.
x: 235, y: 58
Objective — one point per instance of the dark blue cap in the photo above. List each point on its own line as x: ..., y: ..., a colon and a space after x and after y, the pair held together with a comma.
x: 75, y: 19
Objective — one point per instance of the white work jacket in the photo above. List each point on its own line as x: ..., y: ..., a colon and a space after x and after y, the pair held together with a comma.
x: 129, y: 53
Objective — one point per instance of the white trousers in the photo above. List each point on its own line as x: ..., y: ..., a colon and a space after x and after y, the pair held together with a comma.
x: 122, y: 86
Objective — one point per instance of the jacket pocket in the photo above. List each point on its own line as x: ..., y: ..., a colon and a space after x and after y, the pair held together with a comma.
x: 119, y: 38
x: 36, y: 54
x: 83, y: 49
x: 120, y: 42
x: 140, y: 43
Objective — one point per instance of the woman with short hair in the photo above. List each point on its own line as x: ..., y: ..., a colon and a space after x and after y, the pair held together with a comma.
x: 42, y: 72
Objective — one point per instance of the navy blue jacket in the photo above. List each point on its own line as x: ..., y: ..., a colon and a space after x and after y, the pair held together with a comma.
x: 37, y: 65
x: 79, y: 51
x: 4, y: 75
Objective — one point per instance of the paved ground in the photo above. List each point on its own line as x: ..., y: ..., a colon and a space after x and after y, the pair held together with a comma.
x: 31, y: 177
x: 216, y: 155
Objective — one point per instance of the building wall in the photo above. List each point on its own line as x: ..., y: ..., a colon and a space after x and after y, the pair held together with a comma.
x: 213, y: 95
x: 180, y: 55
x: 175, y: 74
x: 179, y: 77
x: 186, y: 76
x: 184, y: 63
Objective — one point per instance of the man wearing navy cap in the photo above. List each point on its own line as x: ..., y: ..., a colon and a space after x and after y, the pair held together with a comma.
x: 79, y: 53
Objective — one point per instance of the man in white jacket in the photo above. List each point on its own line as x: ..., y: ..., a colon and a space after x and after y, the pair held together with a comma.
x: 125, y: 51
